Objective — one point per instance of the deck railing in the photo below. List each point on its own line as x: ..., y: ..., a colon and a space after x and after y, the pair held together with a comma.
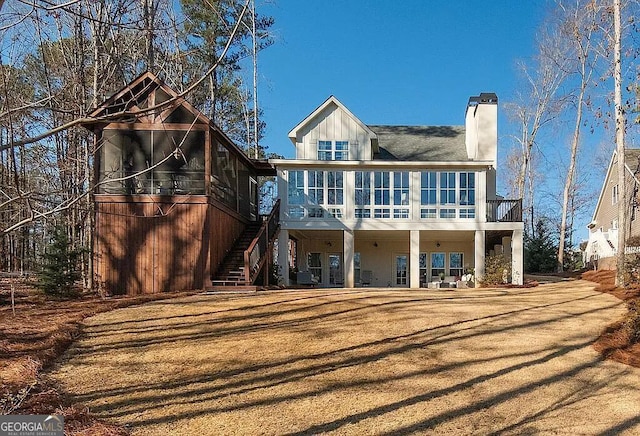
x: 256, y: 255
x: 504, y: 211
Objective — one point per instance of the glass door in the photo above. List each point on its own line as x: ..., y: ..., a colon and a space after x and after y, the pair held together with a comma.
x: 335, y: 270
x: 314, y: 262
x: 402, y: 269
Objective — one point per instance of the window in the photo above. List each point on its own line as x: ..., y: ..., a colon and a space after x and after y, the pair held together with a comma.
x: 335, y: 187
x: 363, y: 194
x: 388, y: 193
x: 296, y: 187
x: 315, y: 179
x: 381, y: 194
x: 614, y: 195
x: 322, y: 189
x: 401, y: 194
x: 467, y: 189
x: 437, y: 265
x: 333, y: 150
x: 447, y: 194
x: 356, y: 267
x: 324, y: 150
x: 447, y: 188
x: 428, y: 188
x: 455, y: 264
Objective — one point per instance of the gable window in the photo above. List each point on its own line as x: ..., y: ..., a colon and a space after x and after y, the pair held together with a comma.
x: 614, y: 194
x: 333, y: 150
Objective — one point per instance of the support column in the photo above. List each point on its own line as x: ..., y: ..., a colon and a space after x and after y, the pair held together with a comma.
x: 414, y: 259
x: 479, y: 255
x: 348, y: 267
x: 283, y: 256
x: 517, y: 258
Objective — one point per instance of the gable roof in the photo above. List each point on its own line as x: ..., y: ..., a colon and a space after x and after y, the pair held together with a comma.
x: 329, y: 101
x: 421, y: 143
x: 134, y: 98
x: 632, y: 165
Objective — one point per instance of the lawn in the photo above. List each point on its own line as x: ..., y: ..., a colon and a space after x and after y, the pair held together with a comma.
x: 368, y: 361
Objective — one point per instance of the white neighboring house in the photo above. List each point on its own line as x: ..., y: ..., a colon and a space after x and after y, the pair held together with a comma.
x: 602, y: 245
x: 394, y: 205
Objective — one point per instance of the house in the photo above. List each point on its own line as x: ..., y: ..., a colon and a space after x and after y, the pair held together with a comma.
x: 394, y: 205
x: 600, y: 251
x: 175, y: 200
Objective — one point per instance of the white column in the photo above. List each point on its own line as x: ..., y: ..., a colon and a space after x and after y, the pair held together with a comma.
x: 479, y: 255
x: 348, y: 267
x: 414, y: 259
x: 481, y: 196
x: 517, y: 258
x: 283, y: 256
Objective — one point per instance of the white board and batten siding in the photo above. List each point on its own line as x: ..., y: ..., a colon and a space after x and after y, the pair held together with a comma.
x: 333, y: 124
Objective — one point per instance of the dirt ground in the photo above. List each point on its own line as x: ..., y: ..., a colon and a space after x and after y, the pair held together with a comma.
x: 352, y: 362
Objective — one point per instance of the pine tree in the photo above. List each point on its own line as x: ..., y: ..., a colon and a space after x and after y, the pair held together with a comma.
x: 59, y: 272
x: 540, y: 250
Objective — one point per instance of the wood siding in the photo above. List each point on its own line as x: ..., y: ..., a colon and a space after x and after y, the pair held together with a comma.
x: 607, y: 212
x: 334, y: 124
x: 151, y: 246
x: 226, y: 227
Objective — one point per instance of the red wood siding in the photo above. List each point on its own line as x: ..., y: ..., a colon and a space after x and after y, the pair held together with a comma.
x: 226, y: 227
x: 151, y: 246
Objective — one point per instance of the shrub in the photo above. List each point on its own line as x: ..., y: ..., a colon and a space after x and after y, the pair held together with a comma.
x: 497, y: 270
x: 59, y: 272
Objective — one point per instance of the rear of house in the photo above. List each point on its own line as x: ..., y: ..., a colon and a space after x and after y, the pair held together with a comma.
x: 373, y: 205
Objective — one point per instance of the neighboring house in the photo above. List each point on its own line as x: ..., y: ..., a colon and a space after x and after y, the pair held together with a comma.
x: 602, y: 246
x: 394, y: 205
x: 176, y: 201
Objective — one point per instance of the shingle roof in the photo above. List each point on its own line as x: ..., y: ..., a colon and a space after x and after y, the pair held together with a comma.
x: 421, y: 143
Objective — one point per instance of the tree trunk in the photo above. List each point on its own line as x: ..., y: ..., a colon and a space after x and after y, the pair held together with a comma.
x: 620, y: 126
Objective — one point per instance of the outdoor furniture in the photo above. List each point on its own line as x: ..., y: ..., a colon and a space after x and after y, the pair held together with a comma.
x: 365, y: 277
x: 306, y: 278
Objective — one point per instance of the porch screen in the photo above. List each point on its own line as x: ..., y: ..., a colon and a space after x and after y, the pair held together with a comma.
x: 151, y: 162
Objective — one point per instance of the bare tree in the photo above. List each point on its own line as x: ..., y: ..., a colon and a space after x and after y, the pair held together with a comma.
x: 620, y: 129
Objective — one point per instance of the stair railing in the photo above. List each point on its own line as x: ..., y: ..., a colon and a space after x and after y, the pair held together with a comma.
x: 254, y: 256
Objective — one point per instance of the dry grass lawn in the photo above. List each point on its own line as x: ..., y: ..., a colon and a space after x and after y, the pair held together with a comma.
x: 474, y: 361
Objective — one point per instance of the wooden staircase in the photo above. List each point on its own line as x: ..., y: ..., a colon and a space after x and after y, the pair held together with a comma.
x: 250, y: 254
x: 232, y: 270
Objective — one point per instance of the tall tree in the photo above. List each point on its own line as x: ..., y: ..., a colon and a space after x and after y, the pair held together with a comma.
x: 620, y: 129
x: 579, y: 26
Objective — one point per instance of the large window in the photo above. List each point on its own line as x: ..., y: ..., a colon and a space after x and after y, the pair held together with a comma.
x: 313, y: 194
x: 363, y: 194
x: 447, y: 194
x: 437, y: 265
x: 333, y: 150
x: 382, y: 194
x: 455, y: 264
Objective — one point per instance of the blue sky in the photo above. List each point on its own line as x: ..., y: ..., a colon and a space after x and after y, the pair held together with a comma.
x: 390, y: 62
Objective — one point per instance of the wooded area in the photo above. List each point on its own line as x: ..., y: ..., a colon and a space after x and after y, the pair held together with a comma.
x: 582, y: 84
x: 61, y: 59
